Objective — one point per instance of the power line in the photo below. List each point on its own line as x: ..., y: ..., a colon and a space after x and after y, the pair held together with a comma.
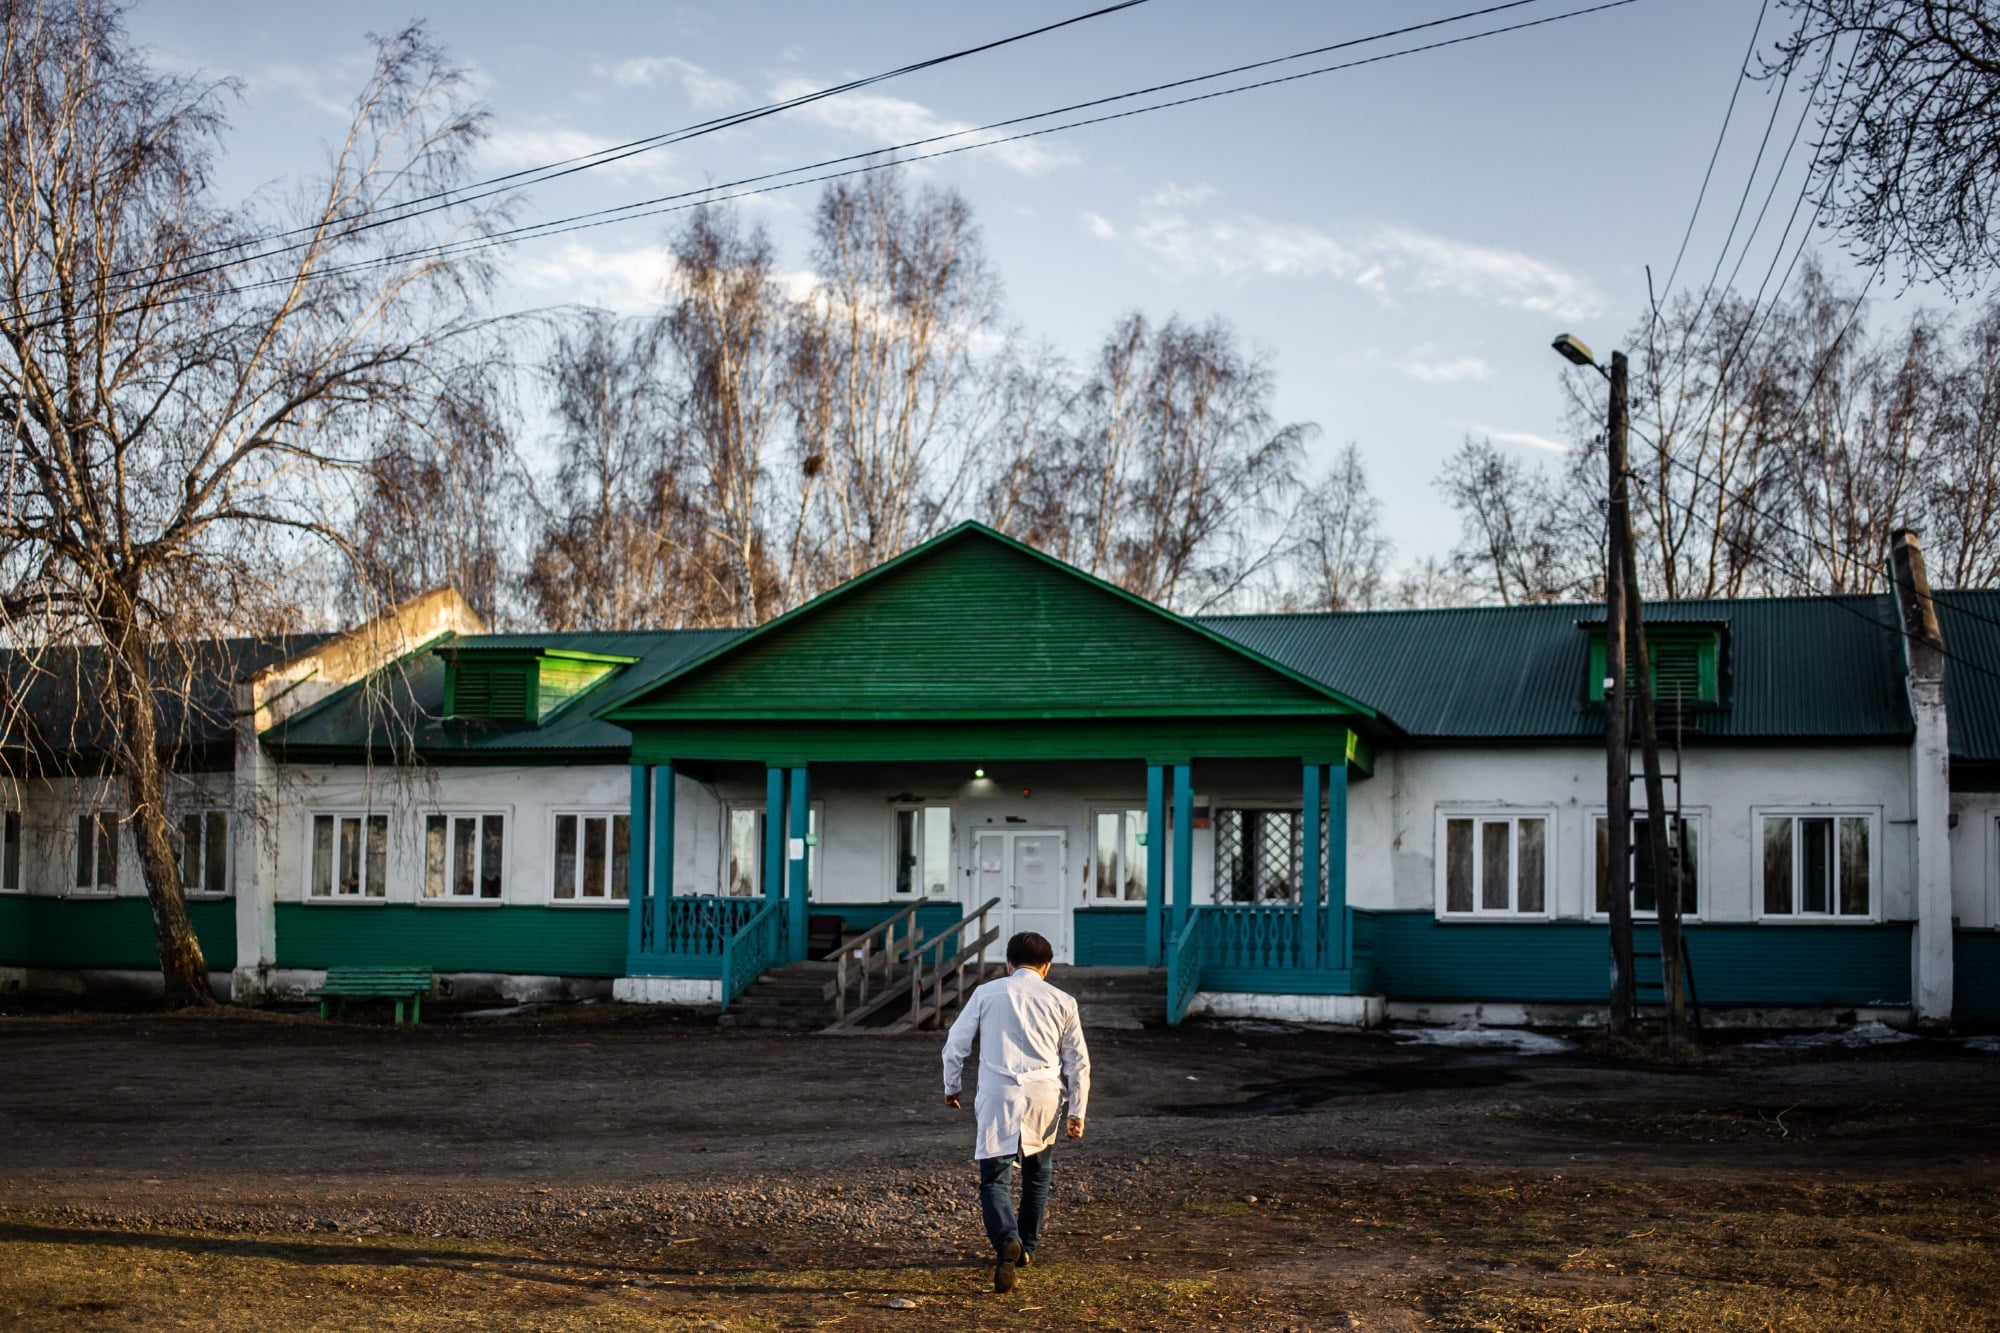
x: 878, y: 159
x: 457, y: 196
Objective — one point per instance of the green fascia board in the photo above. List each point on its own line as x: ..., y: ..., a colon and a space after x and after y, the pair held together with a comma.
x: 1141, y: 740
x: 634, y: 706
x: 515, y: 653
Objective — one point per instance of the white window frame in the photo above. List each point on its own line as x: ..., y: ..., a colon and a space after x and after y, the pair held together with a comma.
x: 97, y: 888
x: 1480, y: 814
x: 896, y: 813
x: 1091, y: 897
x: 616, y: 887
x: 19, y: 819
x: 195, y: 889
x: 1872, y: 813
x: 451, y: 815
x: 815, y: 823
x: 361, y: 896
x: 1696, y: 815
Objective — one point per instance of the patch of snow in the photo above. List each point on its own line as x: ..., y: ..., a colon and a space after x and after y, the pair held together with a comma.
x: 507, y: 1012
x: 1858, y: 1037
x: 1514, y: 1039
x: 1991, y: 1045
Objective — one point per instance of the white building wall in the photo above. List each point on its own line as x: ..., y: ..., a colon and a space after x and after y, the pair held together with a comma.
x: 1975, y: 859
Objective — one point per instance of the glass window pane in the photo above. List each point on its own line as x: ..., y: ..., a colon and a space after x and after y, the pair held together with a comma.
x: 464, y: 855
x: 1689, y: 862
x: 1495, y: 840
x: 593, y: 857
x: 937, y: 850
x: 215, y: 852
x: 107, y: 851
x: 621, y: 856
x: 378, y: 856
x: 322, y: 855
x: 1532, y: 864
x: 565, y: 869
x: 86, y: 851
x: 434, y: 855
x: 350, y: 856
x: 1854, y: 867
x: 10, y: 867
x: 1603, y: 838
x: 1135, y: 857
x: 1778, y: 866
x: 1815, y: 865
x: 906, y: 851
x: 191, y: 853
x: 1645, y: 886
x: 744, y: 875
x: 1104, y: 851
x: 1458, y: 865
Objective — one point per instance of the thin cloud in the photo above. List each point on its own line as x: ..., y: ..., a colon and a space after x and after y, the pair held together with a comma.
x: 1523, y: 438
x: 892, y: 120
x: 623, y: 281
x: 1428, y: 368
x: 706, y: 91
x: 513, y: 148
x: 1393, y: 262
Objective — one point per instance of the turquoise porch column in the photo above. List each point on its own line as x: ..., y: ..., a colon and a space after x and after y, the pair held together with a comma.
x: 774, y: 835
x: 1183, y: 845
x: 635, y: 875
x: 1156, y: 863
x: 1309, y: 880
x: 662, y: 876
x: 800, y: 855
x: 1339, y: 949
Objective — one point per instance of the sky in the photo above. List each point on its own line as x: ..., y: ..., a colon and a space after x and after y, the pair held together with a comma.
x: 1402, y: 240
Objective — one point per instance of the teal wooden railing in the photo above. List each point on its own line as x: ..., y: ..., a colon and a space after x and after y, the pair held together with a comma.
x: 1184, y: 959
x: 751, y: 950
x: 699, y: 926
x: 1263, y: 937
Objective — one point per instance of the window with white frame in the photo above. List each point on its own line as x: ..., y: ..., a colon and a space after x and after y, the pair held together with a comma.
x: 10, y: 851
x: 349, y: 855
x: 1683, y: 845
x: 96, y: 853
x: 465, y: 856
x: 1493, y: 863
x: 593, y: 857
x: 922, y: 863
x: 1118, y: 856
x: 1817, y: 863
x: 745, y: 827
x: 204, y: 849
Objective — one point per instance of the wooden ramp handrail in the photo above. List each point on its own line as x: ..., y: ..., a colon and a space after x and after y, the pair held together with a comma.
x: 873, y: 951
x: 969, y: 937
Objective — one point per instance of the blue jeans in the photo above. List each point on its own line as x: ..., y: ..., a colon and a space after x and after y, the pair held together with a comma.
x: 996, y: 1197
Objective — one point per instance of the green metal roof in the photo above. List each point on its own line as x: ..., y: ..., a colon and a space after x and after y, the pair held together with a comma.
x: 973, y: 624
x: 1970, y: 622
x: 405, y: 703
x: 1795, y: 668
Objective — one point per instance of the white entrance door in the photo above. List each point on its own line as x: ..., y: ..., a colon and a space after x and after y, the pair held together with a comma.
x: 1026, y: 870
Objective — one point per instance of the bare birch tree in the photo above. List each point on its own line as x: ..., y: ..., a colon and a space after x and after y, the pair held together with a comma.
x: 1339, y: 551
x: 1520, y: 540
x: 183, y: 398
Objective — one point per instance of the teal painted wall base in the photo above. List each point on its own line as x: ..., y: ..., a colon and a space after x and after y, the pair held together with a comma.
x: 114, y: 934
x: 1975, y: 972
x: 1414, y: 956
x: 534, y: 941
x: 1109, y: 937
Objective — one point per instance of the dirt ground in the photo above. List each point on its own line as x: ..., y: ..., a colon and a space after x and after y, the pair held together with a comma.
x: 605, y: 1167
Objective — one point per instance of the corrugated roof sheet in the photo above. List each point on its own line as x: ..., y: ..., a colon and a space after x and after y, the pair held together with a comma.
x: 1795, y: 668
x: 1970, y: 622
x: 405, y: 704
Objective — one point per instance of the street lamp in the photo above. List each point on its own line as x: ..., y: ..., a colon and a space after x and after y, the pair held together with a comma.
x: 1577, y: 352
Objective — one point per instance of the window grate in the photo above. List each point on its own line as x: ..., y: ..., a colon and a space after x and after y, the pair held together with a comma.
x: 1259, y: 855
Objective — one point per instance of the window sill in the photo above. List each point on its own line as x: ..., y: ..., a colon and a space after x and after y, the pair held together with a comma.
x: 1802, y: 920
x: 343, y: 901
x: 1493, y: 918
x: 461, y: 902
x: 589, y: 904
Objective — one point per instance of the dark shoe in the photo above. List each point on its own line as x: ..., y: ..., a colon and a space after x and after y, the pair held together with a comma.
x: 1008, y: 1267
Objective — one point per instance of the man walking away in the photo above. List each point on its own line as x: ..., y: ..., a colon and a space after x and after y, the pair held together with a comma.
x: 1030, y: 1051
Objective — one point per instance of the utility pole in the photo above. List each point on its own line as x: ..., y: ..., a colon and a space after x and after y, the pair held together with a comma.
x: 1666, y: 865
x: 1618, y: 585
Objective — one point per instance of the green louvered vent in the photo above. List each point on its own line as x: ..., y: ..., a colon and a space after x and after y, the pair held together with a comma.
x: 1676, y: 669
x: 1686, y: 664
x: 490, y: 689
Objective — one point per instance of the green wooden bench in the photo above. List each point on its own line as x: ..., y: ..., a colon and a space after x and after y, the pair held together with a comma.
x: 400, y: 984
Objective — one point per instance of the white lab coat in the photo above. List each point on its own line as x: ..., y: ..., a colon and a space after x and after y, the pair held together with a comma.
x: 1030, y: 1050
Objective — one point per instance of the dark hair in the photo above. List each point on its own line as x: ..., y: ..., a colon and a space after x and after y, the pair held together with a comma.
x: 1028, y: 949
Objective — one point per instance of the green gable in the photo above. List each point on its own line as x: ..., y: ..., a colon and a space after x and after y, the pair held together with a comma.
x: 973, y: 625
x: 513, y: 684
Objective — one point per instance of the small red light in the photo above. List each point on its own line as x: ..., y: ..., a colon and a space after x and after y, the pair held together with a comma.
x: 1024, y: 793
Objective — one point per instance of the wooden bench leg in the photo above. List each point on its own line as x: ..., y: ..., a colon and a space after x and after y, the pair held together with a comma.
x: 322, y: 1009
x: 399, y: 1013
x: 416, y: 1009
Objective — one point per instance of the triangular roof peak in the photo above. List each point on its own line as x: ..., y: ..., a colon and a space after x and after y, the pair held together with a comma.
x: 973, y: 623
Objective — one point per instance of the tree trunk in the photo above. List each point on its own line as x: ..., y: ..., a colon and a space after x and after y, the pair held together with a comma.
x: 130, y: 680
